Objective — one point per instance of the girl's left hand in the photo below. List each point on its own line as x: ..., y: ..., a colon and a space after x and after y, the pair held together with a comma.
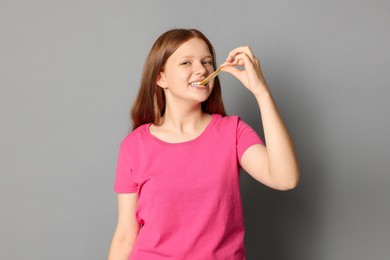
x: 251, y: 76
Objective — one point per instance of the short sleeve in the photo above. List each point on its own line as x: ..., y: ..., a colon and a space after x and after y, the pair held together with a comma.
x: 124, y: 180
x: 246, y: 137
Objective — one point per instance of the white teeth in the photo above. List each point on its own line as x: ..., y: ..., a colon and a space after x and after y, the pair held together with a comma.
x: 194, y: 84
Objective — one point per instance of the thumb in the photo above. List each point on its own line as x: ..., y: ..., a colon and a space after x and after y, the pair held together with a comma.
x: 232, y: 70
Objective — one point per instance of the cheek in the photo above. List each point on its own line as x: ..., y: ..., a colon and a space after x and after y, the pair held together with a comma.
x: 183, y: 75
x: 180, y: 72
x: 177, y: 76
x: 210, y: 70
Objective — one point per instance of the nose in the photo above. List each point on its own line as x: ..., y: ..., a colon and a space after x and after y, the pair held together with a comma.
x: 200, y: 69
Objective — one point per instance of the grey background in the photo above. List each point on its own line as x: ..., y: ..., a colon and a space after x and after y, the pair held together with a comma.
x: 69, y: 71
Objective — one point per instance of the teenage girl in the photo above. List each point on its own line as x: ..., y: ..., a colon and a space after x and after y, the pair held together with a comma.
x: 177, y: 176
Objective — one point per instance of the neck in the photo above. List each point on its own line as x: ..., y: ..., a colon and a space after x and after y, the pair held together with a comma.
x: 183, y: 119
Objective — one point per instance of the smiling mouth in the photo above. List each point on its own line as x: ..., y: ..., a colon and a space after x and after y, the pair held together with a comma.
x: 196, y: 84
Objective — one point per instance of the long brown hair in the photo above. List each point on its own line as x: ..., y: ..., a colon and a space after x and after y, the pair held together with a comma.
x: 149, y: 105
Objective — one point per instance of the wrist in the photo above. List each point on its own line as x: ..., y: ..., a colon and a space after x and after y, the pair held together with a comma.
x: 262, y: 94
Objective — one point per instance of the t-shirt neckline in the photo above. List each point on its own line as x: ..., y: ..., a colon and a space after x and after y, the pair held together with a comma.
x: 214, y: 118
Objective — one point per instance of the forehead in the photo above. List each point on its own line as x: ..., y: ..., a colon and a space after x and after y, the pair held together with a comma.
x: 194, y: 47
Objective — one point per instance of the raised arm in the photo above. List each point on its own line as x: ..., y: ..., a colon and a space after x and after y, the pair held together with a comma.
x: 275, y: 164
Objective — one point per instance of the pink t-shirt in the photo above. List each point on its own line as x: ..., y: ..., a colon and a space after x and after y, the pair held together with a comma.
x: 189, y: 202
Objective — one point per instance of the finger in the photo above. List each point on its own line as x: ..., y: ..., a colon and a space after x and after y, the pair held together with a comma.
x: 239, y: 60
x: 233, y: 70
x: 235, y: 63
x: 243, y: 49
x: 248, y: 61
x: 243, y: 59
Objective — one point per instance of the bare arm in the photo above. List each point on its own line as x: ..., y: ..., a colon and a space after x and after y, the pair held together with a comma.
x: 276, y: 164
x: 127, y: 228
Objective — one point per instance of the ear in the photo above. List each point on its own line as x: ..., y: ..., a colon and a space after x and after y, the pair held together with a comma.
x: 160, y: 81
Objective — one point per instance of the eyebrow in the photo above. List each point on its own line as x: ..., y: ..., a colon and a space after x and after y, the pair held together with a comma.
x: 189, y: 56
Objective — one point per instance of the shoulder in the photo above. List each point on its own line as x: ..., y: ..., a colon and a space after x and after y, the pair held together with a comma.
x: 235, y: 124
x: 231, y: 121
x: 225, y: 119
x: 135, y: 136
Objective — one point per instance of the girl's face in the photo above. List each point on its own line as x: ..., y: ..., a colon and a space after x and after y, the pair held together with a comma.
x: 191, y: 62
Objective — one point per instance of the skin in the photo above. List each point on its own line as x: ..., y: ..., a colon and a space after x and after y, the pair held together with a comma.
x: 183, y: 119
x: 274, y: 165
x: 127, y: 228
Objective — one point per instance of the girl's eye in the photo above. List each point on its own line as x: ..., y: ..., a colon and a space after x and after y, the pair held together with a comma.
x: 185, y: 63
x: 208, y: 62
